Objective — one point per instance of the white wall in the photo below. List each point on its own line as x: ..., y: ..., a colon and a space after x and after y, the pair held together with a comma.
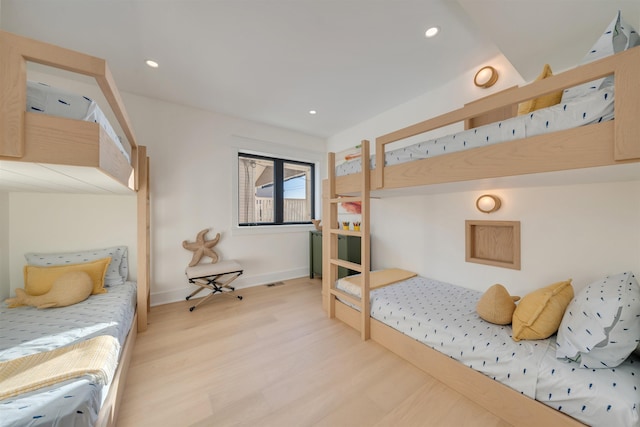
x: 581, y: 232
x: 68, y: 222
x: 568, y: 231
x: 193, y: 156
x: 4, y: 246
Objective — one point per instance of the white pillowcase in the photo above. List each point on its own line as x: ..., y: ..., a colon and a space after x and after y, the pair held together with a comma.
x: 618, y: 37
x: 117, y: 272
x: 601, y: 326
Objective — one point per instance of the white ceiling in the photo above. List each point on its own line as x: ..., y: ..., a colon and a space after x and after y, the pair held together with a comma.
x: 272, y: 61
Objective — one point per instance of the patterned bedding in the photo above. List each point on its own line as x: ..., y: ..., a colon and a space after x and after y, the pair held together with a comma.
x: 27, y: 330
x: 42, y: 98
x: 443, y: 316
x: 593, y: 108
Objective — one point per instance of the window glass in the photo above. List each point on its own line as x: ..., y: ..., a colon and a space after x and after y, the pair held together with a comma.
x: 274, y: 191
x: 297, y: 192
x: 255, y: 190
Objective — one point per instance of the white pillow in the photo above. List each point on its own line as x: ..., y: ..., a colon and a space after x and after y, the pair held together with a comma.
x: 117, y: 272
x: 601, y: 326
x: 619, y: 36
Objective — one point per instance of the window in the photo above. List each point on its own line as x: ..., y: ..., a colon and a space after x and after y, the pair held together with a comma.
x: 274, y: 191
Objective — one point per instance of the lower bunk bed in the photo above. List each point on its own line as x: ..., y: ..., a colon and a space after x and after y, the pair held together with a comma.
x: 84, y: 400
x: 434, y: 325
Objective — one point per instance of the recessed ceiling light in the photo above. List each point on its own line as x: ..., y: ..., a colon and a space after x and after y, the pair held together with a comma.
x: 431, y: 32
x: 312, y: 112
x: 152, y: 64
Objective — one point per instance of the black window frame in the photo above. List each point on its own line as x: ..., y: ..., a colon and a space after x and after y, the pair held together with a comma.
x: 278, y: 199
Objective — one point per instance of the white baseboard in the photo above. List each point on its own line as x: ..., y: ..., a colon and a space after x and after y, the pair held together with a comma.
x: 174, y: 295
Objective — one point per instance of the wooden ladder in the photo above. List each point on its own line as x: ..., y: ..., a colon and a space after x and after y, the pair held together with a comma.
x: 332, y: 230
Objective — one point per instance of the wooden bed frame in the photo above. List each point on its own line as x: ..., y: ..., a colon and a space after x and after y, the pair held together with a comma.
x: 37, y: 138
x: 604, y: 144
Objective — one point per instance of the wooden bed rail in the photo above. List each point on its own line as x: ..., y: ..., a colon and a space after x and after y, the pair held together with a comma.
x: 624, y: 66
x: 15, y: 52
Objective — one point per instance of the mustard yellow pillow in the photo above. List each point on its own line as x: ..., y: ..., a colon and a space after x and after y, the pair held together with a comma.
x: 496, y: 305
x: 70, y: 288
x: 543, y: 101
x: 539, y: 314
x: 39, y: 280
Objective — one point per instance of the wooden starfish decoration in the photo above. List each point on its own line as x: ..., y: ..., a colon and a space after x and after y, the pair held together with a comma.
x: 202, y: 247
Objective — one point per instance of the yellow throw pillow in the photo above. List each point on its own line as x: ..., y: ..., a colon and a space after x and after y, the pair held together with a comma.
x: 543, y: 101
x: 39, y: 280
x: 539, y: 314
x: 496, y: 305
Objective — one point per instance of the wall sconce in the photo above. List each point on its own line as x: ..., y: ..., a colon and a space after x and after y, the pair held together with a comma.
x: 488, y: 203
x: 486, y: 77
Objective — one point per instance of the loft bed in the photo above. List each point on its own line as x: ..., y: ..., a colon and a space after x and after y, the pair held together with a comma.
x: 606, y: 143
x: 48, y: 153
x: 42, y: 139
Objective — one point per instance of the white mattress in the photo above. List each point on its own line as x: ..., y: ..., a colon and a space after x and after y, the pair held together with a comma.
x: 443, y: 316
x: 42, y: 98
x: 593, y: 108
x: 27, y: 330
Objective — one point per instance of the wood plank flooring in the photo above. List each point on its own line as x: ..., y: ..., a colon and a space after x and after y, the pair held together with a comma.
x: 275, y: 359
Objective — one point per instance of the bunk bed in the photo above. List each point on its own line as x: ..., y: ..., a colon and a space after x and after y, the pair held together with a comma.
x: 51, y: 151
x: 605, y: 143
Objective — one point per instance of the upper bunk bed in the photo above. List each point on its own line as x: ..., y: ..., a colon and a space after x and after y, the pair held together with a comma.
x: 48, y: 153
x: 606, y: 143
x: 56, y: 147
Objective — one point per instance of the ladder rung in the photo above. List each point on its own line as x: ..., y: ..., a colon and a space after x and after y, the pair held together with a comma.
x: 346, y: 297
x: 346, y: 264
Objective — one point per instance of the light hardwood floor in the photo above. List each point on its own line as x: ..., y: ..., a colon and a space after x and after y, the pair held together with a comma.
x: 275, y: 359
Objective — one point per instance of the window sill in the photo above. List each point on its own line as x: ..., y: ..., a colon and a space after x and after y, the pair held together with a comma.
x: 250, y: 230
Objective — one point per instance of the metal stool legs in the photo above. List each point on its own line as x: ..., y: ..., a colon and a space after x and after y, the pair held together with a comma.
x: 217, y: 287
